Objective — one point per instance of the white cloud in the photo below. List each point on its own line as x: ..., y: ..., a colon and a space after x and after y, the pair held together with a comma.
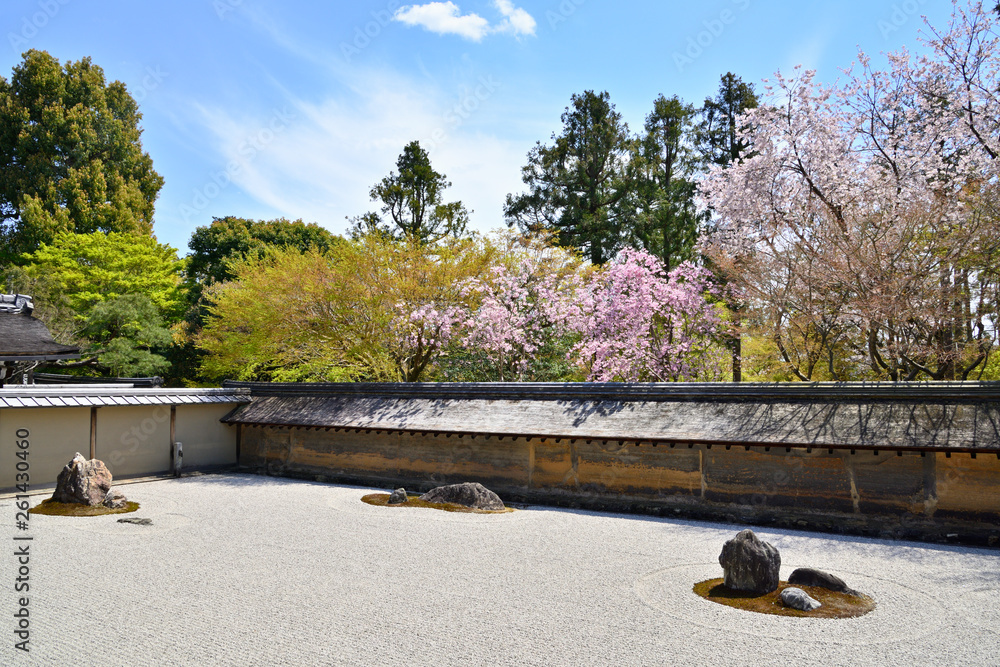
x: 445, y: 18
x: 321, y: 165
x: 516, y: 20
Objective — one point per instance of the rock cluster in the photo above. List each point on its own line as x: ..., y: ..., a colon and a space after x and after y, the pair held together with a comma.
x: 87, y: 483
x: 750, y: 564
x: 469, y: 494
x: 397, y: 497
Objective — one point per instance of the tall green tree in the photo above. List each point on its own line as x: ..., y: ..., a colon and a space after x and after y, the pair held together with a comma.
x: 668, y: 220
x: 215, y: 249
x: 71, y: 159
x: 86, y: 269
x: 718, y: 134
x: 215, y: 246
x: 722, y: 140
x: 412, y: 203
x: 578, y: 184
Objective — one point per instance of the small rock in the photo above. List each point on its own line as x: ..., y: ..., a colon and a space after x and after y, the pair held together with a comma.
x: 397, y: 497
x: 796, y: 598
x: 138, y: 522
x: 807, y: 576
x: 750, y: 564
x: 82, y: 481
x: 115, y: 500
x: 469, y: 494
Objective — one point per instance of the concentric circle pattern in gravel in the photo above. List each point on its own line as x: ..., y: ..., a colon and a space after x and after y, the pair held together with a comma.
x: 248, y: 570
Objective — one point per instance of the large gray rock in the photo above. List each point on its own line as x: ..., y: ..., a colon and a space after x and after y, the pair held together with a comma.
x: 397, y: 497
x: 82, y: 481
x: 807, y: 576
x: 470, y: 494
x: 796, y: 598
x: 750, y: 564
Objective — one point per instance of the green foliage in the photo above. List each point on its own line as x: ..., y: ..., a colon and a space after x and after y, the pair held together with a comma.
x: 124, y: 331
x: 412, y: 200
x: 87, y: 269
x: 668, y: 222
x: 550, y: 363
x: 309, y: 316
x: 577, y: 185
x: 215, y: 246
x: 71, y: 159
x: 717, y: 135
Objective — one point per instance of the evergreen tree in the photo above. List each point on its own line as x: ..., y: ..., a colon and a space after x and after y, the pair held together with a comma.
x: 71, y: 159
x: 412, y: 200
x: 722, y: 139
x: 668, y: 220
x: 579, y: 185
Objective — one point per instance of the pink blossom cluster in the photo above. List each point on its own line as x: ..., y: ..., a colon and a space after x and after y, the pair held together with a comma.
x: 638, y: 323
x: 422, y: 331
x: 855, y: 213
x: 521, y: 309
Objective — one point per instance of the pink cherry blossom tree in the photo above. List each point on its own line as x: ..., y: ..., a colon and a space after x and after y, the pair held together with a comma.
x: 639, y: 323
x: 521, y: 306
x: 420, y: 333
x: 857, y: 230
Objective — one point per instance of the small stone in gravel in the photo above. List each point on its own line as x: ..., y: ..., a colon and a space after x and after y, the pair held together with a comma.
x: 469, y: 494
x: 750, y: 564
x: 115, y: 499
x: 397, y: 497
x: 807, y: 576
x: 138, y: 522
x: 796, y: 598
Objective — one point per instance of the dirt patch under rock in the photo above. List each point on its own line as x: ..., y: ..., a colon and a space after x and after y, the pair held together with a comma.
x: 52, y: 508
x: 382, y: 500
x: 835, y: 605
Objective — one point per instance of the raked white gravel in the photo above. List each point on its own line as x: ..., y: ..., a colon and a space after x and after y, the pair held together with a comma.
x: 248, y: 570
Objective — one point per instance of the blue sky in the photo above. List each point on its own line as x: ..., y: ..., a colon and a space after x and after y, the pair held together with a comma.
x: 264, y: 109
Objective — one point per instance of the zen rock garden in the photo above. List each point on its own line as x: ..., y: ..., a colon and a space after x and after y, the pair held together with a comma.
x: 83, y: 488
x: 751, y: 581
x: 465, y: 497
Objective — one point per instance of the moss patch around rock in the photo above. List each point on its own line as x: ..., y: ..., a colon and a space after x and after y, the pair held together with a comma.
x: 382, y: 500
x: 835, y: 605
x: 52, y: 508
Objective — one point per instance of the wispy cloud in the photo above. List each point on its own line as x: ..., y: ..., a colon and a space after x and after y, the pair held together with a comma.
x: 322, y: 165
x: 446, y: 18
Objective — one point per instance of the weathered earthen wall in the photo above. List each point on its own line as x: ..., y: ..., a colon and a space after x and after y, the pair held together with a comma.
x: 929, y: 496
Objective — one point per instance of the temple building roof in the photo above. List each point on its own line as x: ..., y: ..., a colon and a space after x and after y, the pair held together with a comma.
x: 25, y: 338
